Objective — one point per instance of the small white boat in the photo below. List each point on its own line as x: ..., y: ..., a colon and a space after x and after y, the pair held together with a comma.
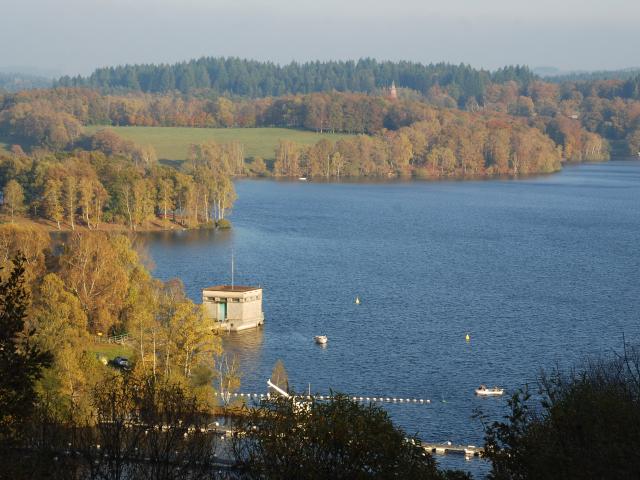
x: 321, y: 339
x: 357, y: 300
x: 489, y: 392
x: 302, y: 179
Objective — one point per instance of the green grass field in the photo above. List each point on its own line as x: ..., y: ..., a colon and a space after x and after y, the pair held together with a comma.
x: 111, y: 351
x: 172, y: 143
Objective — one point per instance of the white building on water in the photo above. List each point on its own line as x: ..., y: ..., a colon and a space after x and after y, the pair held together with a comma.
x: 234, y: 308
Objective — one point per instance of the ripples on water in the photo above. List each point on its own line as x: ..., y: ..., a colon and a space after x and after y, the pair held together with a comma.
x: 538, y: 271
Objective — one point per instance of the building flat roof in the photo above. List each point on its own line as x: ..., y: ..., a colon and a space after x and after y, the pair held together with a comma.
x: 229, y: 288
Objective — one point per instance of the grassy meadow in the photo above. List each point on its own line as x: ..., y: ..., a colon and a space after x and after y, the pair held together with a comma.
x: 172, y: 143
x: 110, y: 350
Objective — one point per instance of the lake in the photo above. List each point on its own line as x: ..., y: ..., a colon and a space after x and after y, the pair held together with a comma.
x: 537, y: 271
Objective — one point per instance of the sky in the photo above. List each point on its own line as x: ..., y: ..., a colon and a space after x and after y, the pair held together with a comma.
x: 76, y: 36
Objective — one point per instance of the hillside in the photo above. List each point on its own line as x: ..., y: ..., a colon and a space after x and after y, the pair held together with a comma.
x: 14, y: 82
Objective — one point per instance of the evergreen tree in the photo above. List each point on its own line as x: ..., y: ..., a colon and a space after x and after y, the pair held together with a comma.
x: 261, y: 79
x: 21, y: 362
x: 186, y: 79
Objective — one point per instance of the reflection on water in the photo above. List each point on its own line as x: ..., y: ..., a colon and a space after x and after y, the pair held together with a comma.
x: 246, y: 346
x: 188, y: 238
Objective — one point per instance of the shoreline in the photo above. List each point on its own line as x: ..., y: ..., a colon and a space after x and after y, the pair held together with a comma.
x: 51, y: 227
x: 377, y: 179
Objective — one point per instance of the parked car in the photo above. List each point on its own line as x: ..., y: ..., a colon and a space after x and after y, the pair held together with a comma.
x: 121, y: 362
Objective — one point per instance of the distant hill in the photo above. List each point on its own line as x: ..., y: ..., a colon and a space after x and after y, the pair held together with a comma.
x: 250, y: 78
x: 14, y: 82
x: 547, y: 71
x: 623, y: 74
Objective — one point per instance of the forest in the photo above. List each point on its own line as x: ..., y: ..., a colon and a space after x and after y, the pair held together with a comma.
x: 439, y: 146
x: 55, y: 118
x: 95, y: 284
x: 59, y: 298
x: 235, y: 76
x: 117, y: 182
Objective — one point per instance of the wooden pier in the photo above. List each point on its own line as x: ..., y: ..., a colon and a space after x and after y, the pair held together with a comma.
x: 448, y: 447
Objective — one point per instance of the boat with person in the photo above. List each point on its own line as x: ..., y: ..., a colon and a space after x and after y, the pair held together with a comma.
x: 485, y: 391
x: 321, y: 339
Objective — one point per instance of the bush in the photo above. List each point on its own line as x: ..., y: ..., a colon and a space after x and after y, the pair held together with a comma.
x: 337, y: 439
x: 586, y: 425
x: 223, y: 223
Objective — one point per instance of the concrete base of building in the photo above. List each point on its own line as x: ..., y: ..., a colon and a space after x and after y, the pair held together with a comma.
x: 238, y: 325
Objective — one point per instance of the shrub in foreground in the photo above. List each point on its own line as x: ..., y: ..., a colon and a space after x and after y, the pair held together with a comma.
x: 337, y: 439
x: 586, y: 425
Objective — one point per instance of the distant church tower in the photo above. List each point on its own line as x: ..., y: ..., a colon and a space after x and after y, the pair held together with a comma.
x: 393, y: 93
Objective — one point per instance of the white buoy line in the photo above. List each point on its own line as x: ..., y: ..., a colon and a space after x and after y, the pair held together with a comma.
x: 329, y: 397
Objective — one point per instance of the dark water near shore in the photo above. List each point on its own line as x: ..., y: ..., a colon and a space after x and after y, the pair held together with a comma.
x: 538, y: 271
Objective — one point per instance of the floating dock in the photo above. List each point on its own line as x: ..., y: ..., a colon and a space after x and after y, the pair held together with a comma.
x: 402, y: 400
x: 447, y: 448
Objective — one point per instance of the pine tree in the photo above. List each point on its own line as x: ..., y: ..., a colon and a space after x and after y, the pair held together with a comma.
x: 21, y: 362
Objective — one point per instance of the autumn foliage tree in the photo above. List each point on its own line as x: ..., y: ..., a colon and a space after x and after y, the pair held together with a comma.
x: 13, y: 197
x: 96, y: 269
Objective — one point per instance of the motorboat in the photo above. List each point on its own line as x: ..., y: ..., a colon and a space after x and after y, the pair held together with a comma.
x: 302, y: 179
x: 321, y: 339
x: 485, y: 391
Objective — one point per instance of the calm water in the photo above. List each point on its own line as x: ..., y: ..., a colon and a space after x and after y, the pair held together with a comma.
x: 538, y: 271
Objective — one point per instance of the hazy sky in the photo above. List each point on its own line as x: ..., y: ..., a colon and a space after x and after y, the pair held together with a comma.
x: 76, y: 36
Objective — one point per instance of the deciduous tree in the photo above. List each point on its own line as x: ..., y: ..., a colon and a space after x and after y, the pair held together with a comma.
x: 13, y: 198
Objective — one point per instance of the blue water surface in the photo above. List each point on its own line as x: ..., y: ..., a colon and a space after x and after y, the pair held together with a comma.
x: 539, y: 272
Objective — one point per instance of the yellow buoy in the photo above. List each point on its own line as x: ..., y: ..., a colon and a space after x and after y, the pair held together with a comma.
x: 468, y: 338
x: 357, y: 300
